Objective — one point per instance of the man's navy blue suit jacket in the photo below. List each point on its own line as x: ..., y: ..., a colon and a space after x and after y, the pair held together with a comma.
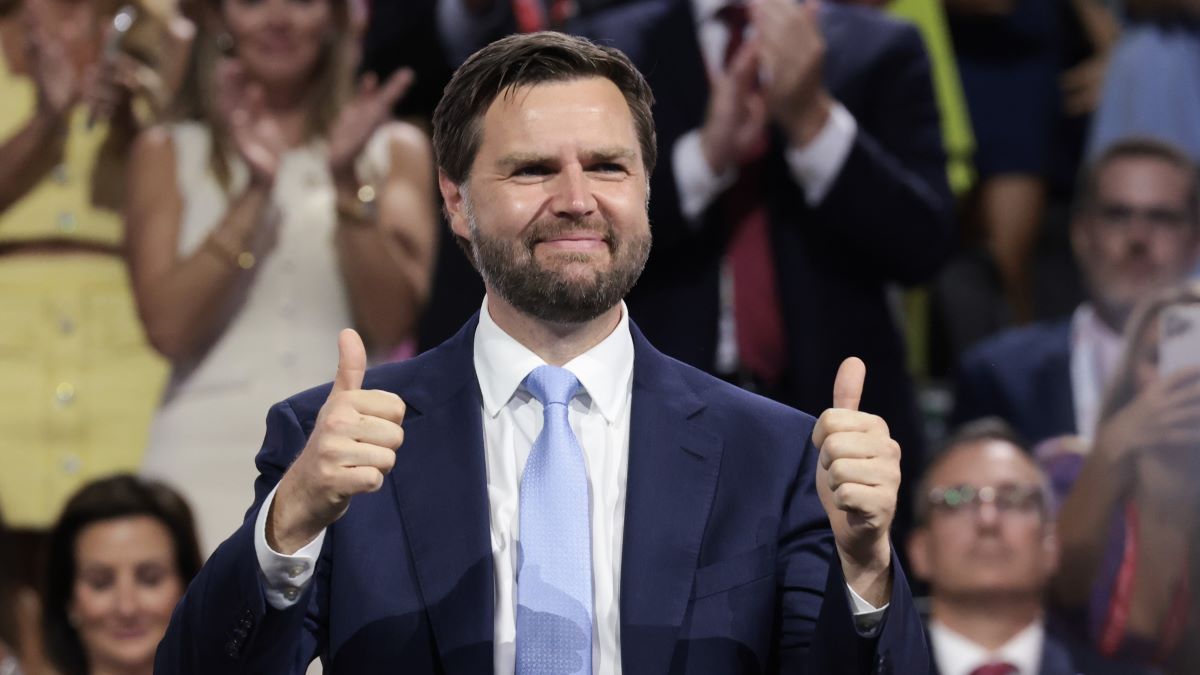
x: 726, y: 564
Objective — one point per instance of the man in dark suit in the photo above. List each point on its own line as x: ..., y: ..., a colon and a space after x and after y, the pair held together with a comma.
x: 1136, y: 230
x: 823, y: 120
x: 566, y: 499
x: 986, y: 544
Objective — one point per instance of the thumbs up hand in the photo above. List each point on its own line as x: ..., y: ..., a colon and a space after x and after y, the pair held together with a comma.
x: 352, y: 447
x: 858, y: 477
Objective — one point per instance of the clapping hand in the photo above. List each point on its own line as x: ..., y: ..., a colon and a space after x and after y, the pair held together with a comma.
x: 359, y: 118
x: 58, y: 85
x: 735, y: 124
x: 256, y: 134
x: 792, y: 53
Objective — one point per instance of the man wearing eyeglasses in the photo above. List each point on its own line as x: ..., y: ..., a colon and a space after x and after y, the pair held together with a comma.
x: 1136, y: 230
x: 984, y: 541
x: 985, y: 544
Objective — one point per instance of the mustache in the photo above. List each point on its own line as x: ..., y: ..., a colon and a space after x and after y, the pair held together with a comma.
x: 552, y: 228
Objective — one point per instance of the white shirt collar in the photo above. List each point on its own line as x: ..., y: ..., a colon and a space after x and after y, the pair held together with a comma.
x: 1095, y: 354
x: 706, y: 10
x: 957, y: 655
x: 605, y: 371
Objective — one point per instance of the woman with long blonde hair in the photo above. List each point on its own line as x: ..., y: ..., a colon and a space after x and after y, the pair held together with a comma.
x: 280, y: 208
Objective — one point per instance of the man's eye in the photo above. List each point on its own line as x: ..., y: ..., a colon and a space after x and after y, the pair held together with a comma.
x: 533, y: 170
x: 609, y: 167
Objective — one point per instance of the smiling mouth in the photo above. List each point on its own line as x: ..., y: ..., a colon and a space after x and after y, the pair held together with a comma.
x: 575, y: 243
x: 130, y: 634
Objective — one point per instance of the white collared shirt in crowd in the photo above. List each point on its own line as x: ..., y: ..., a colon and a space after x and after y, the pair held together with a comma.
x: 1095, y: 353
x: 955, y: 654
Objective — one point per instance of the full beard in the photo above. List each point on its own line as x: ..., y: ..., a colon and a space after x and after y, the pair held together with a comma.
x: 543, y: 290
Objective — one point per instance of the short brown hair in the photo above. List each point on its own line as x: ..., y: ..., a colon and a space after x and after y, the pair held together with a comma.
x: 982, y: 430
x: 521, y: 60
x: 1137, y: 147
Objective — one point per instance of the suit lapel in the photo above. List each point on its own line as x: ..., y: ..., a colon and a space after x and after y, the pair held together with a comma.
x: 673, y: 467
x: 1055, y: 380
x: 1056, y: 660
x: 441, y: 489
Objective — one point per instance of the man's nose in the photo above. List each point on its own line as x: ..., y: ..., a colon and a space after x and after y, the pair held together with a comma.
x: 572, y: 196
x: 987, y: 515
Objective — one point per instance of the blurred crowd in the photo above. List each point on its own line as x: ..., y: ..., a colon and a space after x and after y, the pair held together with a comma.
x: 995, y: 203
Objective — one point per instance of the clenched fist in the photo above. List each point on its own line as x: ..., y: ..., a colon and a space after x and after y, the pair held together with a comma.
x: 352, y: 447
x: 857, y: 480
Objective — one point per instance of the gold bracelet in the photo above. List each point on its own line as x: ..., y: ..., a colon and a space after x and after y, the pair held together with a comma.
x: 360, y: 209
x: 238, y: 259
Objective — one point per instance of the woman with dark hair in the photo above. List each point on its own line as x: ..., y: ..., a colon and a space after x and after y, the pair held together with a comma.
x: 120, y: 557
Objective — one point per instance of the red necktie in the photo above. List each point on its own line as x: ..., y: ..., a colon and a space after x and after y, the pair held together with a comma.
x: 531, y: 16
x: 758, y: 315
x: 998, y: 668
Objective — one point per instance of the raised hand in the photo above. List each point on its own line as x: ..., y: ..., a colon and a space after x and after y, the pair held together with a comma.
x: 857, y: 479
x: 735, y: 124
x: 1164, y: 415
x: 792, y: 51
x: 256, y: 134
x: 358, y: 120
x: 352, y: 447
x: 58, y: 85
x: 114, y: 82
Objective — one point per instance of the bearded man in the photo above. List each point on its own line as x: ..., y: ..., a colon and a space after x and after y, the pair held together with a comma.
x: 545, y: 492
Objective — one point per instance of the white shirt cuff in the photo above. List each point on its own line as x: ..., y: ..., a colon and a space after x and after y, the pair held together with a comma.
x: 816, y: 166
x: 867, y: 617
x: 695, y: 180
x: 284, y: 577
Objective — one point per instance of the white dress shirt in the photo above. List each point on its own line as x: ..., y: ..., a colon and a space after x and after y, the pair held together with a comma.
x: 512, y: 419
x: 955, y: 654
x: 1095, y: 353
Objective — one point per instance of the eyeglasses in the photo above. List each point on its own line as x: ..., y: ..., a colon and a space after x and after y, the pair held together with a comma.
x: 1007, y: 498
x: 1118, y: 217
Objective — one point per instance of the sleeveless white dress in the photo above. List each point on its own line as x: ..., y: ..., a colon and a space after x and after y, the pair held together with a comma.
x: 281, y: 340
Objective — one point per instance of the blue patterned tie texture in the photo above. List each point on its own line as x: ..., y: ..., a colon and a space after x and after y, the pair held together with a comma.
x: 554, y: 576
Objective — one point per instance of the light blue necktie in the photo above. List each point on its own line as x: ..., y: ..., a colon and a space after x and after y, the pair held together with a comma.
x: 554, y: 573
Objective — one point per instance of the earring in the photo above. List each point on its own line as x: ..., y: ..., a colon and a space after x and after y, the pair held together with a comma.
x: 225, y: 43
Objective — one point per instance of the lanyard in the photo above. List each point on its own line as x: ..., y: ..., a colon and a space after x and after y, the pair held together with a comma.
x: 1112, y: 633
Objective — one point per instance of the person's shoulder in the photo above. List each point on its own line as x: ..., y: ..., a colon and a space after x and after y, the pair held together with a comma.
x: 884, y: 31
x: 1018, y: 347
x: 403, y: 136
x: 866, y: 44
x: 734, y: 406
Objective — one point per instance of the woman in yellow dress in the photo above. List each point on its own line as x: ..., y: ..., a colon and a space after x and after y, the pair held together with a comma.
x: 79, y: 384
